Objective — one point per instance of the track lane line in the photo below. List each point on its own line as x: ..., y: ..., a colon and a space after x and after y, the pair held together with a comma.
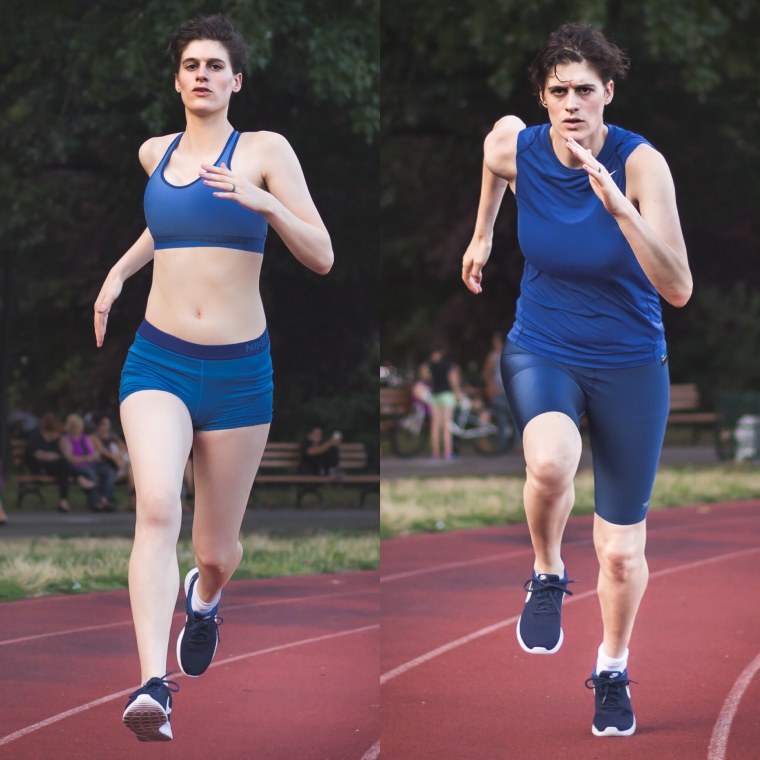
x: 373, y: 752
x: 103, y: 626
x: 579, y: 542
x: 481, y: 632
x: 722, y: 729
x: 110, y: 697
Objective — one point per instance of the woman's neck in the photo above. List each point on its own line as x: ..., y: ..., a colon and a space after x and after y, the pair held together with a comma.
x: 205, y: 133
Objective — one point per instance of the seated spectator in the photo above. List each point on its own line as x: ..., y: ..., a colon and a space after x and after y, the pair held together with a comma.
x: 3, y: 516
x: 113, y: 452
x: 80, y: 453
x: 44, y: 457
x: 320, y: 457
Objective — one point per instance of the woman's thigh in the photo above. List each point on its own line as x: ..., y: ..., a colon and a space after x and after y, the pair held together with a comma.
x: 225, y: 463
x: 159, y: 434
x: 628, y: 413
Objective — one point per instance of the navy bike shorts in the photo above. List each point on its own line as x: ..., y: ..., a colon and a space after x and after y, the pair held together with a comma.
x: 627, y: 410
x: 222, y: 386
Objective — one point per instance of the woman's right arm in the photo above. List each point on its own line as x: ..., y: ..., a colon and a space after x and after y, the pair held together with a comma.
x: 499, y: 170
x: 135, y: 258
x: 132, y: 261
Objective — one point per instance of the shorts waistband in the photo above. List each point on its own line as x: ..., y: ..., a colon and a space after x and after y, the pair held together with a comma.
x: 203, y: 351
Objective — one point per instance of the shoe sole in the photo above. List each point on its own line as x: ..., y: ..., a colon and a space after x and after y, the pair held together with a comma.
x: 612, y: 731
x: 148, y: 720
x: 539, y: 650
x: 188, y: 581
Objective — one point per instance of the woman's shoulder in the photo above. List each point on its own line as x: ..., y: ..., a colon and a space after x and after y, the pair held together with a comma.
x: 153, y: 149
x: 264, y: 141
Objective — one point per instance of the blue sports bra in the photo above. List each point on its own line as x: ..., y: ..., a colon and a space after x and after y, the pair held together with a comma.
x: 189, y: 216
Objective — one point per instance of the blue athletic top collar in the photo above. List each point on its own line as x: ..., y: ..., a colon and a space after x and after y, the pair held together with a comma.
x: 190, y: 216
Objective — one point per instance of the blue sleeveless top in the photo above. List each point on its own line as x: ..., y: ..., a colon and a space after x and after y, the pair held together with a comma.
x: 189, y: 216
x: 584, y: 299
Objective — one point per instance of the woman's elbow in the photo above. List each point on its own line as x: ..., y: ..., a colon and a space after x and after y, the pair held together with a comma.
x: 681, y: 295
x: 325, y: 262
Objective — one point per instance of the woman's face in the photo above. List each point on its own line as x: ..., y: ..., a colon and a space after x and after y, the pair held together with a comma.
x: 575, y: 98
x: 205, y: 78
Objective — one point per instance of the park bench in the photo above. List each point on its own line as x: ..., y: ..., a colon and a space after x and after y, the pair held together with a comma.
x: 27, y: 483
x: 685, y: 410
x: 280, y: 464
x: 394, y: 403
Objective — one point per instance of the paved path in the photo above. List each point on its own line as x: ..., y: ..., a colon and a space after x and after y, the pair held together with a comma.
x: 513, y: 463
x: 283, y: 521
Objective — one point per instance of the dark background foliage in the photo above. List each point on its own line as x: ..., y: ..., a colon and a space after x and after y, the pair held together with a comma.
x: 450, y: 70
x: 82, y: 85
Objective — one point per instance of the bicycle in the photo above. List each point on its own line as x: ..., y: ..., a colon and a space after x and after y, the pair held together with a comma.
x: 491, y: 430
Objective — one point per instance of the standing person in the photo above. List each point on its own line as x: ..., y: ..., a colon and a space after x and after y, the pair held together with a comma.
x: 444, y: 393
x: 494, y: 390
x: 600, y: 233
x: 199, y: 372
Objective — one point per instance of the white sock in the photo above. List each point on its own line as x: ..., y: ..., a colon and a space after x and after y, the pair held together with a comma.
x: 199, y: 606
x: 604, y: 662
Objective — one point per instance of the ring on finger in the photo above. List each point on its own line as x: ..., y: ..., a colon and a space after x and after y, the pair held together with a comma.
x: 599, y: 169
x: 233, y: 186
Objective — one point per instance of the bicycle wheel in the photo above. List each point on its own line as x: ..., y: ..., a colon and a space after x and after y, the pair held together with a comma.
x: 495, y: 441
x: 407, y: 442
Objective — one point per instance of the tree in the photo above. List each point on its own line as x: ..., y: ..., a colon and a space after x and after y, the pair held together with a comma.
x: 83, y: 85
x: 450, y: 70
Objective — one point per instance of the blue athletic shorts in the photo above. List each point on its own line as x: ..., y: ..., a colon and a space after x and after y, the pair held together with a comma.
x: 222, y: 386
x: 627, y: 411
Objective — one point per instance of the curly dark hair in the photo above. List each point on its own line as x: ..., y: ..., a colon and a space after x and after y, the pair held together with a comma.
x: 575, y: 43
x: 218, y: 28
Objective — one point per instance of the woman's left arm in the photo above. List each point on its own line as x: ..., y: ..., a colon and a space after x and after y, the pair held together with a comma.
x: 286, y: 203
x: 654, y: 230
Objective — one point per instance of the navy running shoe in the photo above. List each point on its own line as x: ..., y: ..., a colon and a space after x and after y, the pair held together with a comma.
x: 613, y: 715
x: 539, y: 629
x: 148, y: 710
x: 197, y: 641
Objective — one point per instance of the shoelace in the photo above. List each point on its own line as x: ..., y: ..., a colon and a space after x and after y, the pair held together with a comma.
x: 197, y: 630
x: 543, y: 600
x: 610, y: 689
x: 155, y: 683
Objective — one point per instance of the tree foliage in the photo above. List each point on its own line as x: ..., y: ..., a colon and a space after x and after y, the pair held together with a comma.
x: 83, y: 85
x: 450, y: 70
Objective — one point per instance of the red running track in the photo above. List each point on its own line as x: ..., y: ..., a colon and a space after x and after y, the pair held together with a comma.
x: 457, y: 686
x: 295, y: 676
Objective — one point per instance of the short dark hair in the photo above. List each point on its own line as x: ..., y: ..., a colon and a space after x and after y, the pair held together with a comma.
x: 575, y: 43
x: 218, y: 28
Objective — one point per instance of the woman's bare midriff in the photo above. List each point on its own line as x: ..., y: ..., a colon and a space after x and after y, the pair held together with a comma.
x: 208, y: 296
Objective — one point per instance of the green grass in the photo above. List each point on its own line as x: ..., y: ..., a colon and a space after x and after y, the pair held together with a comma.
x: 412, y: 505
x: 53, y: 565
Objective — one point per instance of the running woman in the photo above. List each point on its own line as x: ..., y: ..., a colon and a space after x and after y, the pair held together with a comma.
x: 599, y: 229
x: 199, y: 372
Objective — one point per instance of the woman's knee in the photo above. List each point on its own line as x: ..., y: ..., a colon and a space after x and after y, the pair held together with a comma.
x: 550, y: 471
x: 552, y: 448
x: 219, y: 560
x: 621, y: 561
x: 159, y: 510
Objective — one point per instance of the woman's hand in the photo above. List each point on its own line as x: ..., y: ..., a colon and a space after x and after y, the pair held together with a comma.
x: 475, y: 258
x: 237, y: 189
x: 601, y: 180
x: 108, y: 294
